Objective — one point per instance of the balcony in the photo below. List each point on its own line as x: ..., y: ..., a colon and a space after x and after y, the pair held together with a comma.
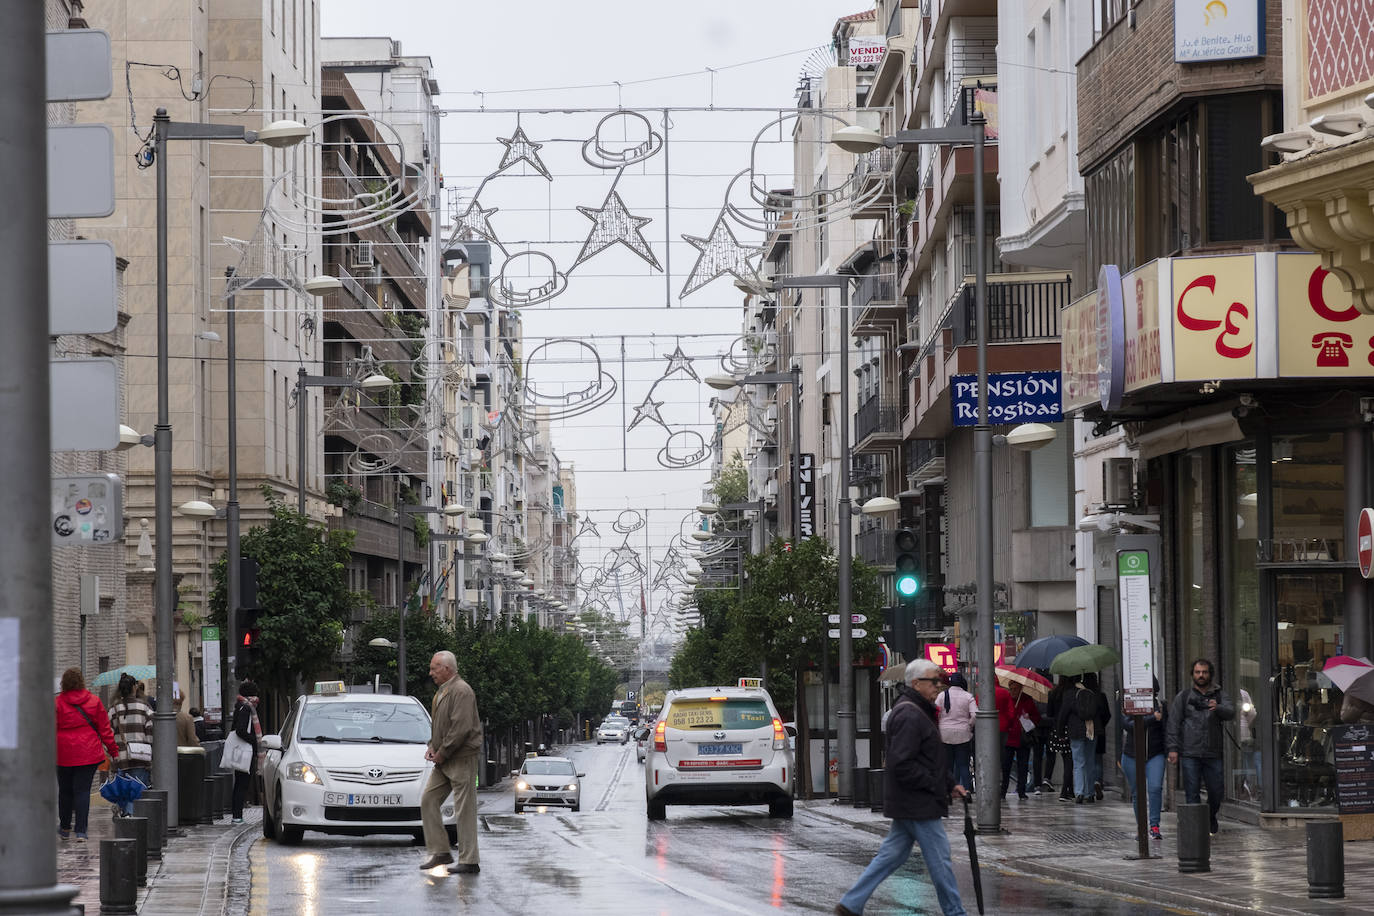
x: 878, y: 421
x: 871, y: 170
x: 874, y: 547
x: 876, y: 305
x: 1019, y: 310
x: 925, y: 460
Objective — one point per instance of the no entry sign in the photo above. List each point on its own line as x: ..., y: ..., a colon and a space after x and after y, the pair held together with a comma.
x: 1364, y: 539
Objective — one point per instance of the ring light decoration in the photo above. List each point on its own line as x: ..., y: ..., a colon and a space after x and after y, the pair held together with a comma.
x: 640, y: 141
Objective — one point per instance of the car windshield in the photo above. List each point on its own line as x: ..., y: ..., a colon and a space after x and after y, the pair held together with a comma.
x: 382, y: 723
x: 730, y: 713
x: 549, y: 768
x: 615, y: 721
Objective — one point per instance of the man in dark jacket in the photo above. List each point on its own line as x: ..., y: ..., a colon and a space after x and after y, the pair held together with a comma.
x: 1194, y: 733
x: 917, y: 785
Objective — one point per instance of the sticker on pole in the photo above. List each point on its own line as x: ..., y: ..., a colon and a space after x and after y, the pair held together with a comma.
x: 1364, y: 538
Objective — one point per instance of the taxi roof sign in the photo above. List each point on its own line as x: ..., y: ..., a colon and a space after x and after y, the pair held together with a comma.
x: 329, y: 688
x: 756, y: 682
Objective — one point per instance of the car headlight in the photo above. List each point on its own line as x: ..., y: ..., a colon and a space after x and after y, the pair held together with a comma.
x: 521, y: 785
x: 304, y: 772
x: 572, y: 785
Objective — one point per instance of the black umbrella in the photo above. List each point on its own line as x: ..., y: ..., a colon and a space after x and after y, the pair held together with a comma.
x: 1038, y: 653
x: 970, y: 831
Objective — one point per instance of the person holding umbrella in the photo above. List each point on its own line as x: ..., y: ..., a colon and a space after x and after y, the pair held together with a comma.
x: 917, y: 786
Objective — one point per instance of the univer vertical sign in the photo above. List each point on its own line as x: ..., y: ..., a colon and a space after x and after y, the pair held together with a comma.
x: 806, y: 498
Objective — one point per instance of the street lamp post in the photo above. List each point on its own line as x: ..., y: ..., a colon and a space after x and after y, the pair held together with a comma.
x: 986, y: 737
x: 402, y: 510
x: 845, y: 713
x: 280, y: 134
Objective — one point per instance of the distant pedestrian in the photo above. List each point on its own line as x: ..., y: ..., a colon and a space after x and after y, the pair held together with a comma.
x: 1083, y: 713
x: 1154, y: 758
x: 917, y: 785
x: 1194, y: 734
x: 454, y: 746
x: 1042, y: 758
x: 84, y: 739
x: 248, y: 727
x: 957, y: 710
x: 1016, y: 719
x: 1059, y: 745
x: 198, y: 722
x: 186, y: 725
x: 131, y: 719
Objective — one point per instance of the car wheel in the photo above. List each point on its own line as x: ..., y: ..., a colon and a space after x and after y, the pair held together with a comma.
x: 656, y: 810
x: 287, y: 836
x: 519, y: 808
x: 577, y: 807
x: 269, y: 825
x: 780, y: 808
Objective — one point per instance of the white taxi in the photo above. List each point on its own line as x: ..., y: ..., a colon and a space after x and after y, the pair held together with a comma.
x: 348, y: 763
x: 719, y: 746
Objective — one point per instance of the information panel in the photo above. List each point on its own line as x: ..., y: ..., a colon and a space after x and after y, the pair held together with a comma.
x: 1137, y: 634
x: 1354, y: 768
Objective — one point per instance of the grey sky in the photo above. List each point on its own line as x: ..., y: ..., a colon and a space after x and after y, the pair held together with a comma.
x: 488, y: 56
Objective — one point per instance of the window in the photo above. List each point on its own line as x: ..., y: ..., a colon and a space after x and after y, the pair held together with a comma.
x: 1050, y: 487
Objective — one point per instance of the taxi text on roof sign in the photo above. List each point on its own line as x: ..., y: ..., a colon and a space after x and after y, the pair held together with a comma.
x: 329, y: 688
x: 751, y: 682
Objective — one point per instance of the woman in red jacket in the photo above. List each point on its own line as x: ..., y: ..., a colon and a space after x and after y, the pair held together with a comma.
x: 84, y: 738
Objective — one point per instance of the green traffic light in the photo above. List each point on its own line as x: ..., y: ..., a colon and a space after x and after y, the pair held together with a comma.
x: 907, y: 586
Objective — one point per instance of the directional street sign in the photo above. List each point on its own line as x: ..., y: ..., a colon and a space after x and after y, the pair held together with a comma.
x: 857, y: 634
x: 853, y: 618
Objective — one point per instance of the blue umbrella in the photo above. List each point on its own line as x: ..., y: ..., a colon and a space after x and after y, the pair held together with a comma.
x: 1038, y: 653
x: 122, y: 790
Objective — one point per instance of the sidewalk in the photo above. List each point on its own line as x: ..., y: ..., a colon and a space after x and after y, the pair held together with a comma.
x: 190, y: 878
x: 1254, y: 870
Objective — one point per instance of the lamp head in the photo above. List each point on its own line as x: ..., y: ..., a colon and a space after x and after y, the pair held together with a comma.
x: 880, y: 504
x: 283, y: 134
x: 721, y: 382
x: 197, y: 508
x: 375, y: 382
x: 1291, y: 141
x: 324, y: 283
x: 381, y: 642
x: 1030, y: 436
x: 454, y: 508
x: 708, y: 508
x: 855, y: 139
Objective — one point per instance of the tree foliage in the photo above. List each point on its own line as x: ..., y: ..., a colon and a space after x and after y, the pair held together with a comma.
x: 732, y: 483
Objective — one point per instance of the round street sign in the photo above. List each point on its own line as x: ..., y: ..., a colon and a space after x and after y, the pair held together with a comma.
x: 1364, y: 538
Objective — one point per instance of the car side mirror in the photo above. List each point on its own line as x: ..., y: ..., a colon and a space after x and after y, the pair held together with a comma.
x: 271, y: 742
x: 791, y: 730
x: 581, y: 775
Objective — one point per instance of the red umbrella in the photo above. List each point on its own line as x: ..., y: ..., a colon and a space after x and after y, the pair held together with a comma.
x: 1038, y: 685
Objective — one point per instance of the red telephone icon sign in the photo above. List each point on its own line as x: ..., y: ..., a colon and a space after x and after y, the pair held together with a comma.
x: 1331, y: 347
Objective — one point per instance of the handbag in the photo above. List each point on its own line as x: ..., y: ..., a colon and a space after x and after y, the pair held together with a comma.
x: 238, y: 754
x: 138, y: 751
x: 1059, y: 742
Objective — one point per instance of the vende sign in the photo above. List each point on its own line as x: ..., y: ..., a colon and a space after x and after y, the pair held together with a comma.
x: 866, y: 50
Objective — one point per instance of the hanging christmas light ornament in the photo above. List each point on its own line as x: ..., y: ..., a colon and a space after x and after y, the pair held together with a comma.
x: 685, y: 448
x: 628, y: 521
x: 613, y: 223
x: 637, y: 141
x: 680, y: 362
x: 519, y: 148
x: 721, y: 253
x: 587, y: 527
x: 527, y: 278
x: 475, y: 223
x: 576, y: 365
x: 648, y: 410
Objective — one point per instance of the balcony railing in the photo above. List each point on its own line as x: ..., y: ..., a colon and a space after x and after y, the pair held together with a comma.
x: 871, y: 290
x: 866, y: 469
x: 963, y: 107
x: 875, y: 164
x: 920, y: 452
x: 874, y: 547
x: 877, y: 416
x: 1017, y: 311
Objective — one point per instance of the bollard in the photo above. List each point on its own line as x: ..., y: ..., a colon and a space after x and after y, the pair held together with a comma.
x: 118, y: 876
x: 1194, y: 839
x: 875, y: 790
x: 191, y: 799
x: 209, y: 792
x: 152, y: 810
x: 224, y: 790
x: 168, y: 831
x: 861, y: 787
x: 136, y: 829
x: 1325, y: 860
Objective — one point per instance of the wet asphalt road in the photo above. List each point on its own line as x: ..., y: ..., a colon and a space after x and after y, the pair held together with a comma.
x: 609, y: 859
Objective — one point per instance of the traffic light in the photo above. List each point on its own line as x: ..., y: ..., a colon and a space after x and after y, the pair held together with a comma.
x: 906, y: 547
x: 249, y: 652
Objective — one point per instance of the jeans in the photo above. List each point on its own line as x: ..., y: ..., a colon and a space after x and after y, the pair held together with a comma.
x: 895, y: 850
x: 1084, y: 766
x: 1021, y: 756
x: 1198, y: 771
x: 74, y: 795
x: 960, y: 760
x: 240, y: 794
x: 1154, y: 782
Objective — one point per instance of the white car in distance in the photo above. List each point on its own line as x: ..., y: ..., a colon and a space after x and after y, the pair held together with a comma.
x: 613, y: 728
x: 348, y: 763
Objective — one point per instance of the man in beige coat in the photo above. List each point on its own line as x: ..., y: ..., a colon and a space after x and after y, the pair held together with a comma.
x: 454, y: 745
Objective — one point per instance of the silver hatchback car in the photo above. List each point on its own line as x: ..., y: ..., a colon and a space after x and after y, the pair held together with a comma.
x: 548, y: 781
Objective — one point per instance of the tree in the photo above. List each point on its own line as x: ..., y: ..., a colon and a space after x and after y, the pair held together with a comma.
x: 732, y: 483
x: 425, y: 635
x: 302, y: 590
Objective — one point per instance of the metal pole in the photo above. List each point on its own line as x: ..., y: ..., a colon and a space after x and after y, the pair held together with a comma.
x: 300, y: 440
x: 28, y: 865
x: 164, y: 717
x: 232, y: 583
x: 796, y: 457
x: 987, y: 739
x: 825, y: 711
x: 845, y: 713
x: 400, y: 590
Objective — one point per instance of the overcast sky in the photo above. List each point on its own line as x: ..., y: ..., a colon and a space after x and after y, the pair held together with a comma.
x: 539, y: 65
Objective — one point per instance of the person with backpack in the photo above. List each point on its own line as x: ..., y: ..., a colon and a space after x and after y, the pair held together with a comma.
x: 1082, y: 715
x: 1194, y: 734
x: 84, y: 739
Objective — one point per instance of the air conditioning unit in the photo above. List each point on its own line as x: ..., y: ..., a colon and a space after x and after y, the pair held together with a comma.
x: 1118, y: 483
x: 362, y: 255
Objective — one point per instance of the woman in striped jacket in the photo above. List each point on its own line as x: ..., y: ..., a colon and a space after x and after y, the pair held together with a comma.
x: 131, y: 719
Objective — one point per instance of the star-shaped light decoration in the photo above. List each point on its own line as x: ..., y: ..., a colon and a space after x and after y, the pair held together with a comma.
x: 520, y: 148
x: 264, y: 263
x: 587, y: 527
x: 611, y: 224
x: 721, y: 253
x: 625, y: 555
x: 475, y: 223
x: 647, y: 410
x: 680, y: 362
